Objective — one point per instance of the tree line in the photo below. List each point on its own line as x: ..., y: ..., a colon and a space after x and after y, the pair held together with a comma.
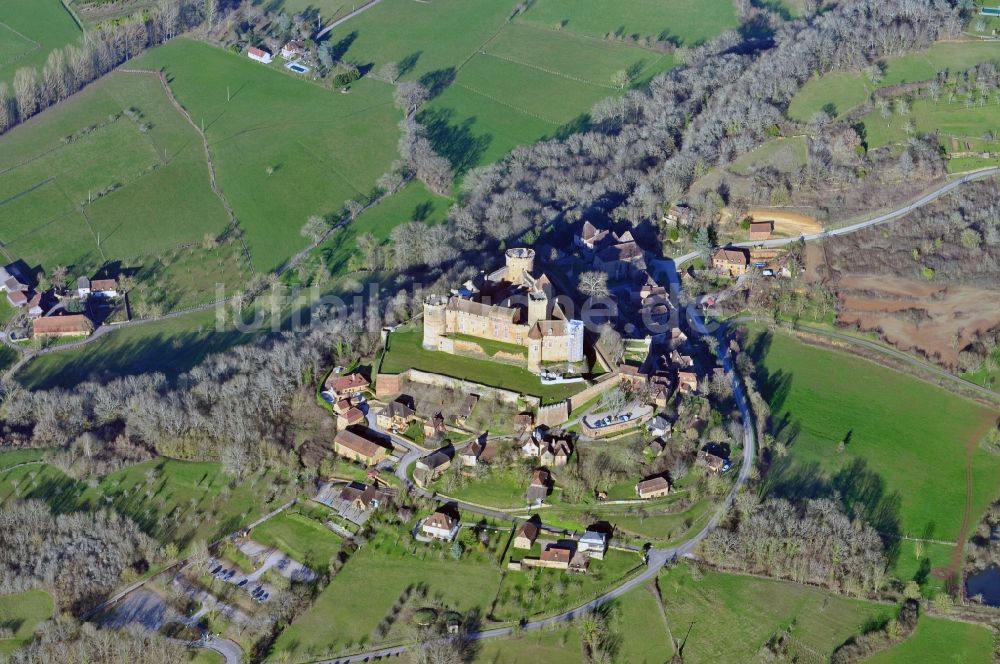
x: 98, y: 52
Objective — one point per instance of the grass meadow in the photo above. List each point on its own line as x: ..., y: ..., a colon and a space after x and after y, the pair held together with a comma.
x: 21, y: 613
x: 340, y: 617
x: 753, y: 610
x: 173, y: 501
x: 844, y: 91
x: 85, y: 182
x: 299, y: 537
x: 30, y: 30
x: 938, y: 640
x: 783, y: 154
x: 322, y: 147
x: 684, y: 22
x: 908, y: 446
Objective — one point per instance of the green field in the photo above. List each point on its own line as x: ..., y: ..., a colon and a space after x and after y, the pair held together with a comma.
x: 845, y: 91
x: 407, y: 352
x: 783, y: 154
x: 499, y: 489
x: 497, y: 85
x: 173, y: 501
x: 561, y: 646
x: 752, y: 610
x: 54, y: 168
x: 21, y: 613
x: 635, y: 617
x: 301, y: 538
x: 324, y: 147
x: 171, y: 346
x: 380, y: 579
x: 836, y: 91
x: 685, y: 22
x: 908, y: 444
x: 929, y: 116
x: 29, y: 31
x: 937, y: 640
x: 411, y: 203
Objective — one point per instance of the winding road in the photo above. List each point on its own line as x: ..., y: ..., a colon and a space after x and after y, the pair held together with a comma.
x: 655, y: 558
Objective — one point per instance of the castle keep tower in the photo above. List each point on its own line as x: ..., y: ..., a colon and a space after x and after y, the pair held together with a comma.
x: 435, y: 323
x: 520, y: 261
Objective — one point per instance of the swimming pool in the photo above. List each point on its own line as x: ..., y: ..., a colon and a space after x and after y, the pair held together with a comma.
x: 298, y: 68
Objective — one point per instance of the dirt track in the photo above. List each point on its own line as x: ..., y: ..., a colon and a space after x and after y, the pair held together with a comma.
x: 786, y: 222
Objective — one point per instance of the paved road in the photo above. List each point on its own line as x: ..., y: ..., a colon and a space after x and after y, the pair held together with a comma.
x: 943, y: 190
x: 230, y: 650
x: 656, y: 558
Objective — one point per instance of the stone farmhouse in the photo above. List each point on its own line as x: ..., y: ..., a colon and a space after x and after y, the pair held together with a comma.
x: 732, y: 261
x: 618, y: 256
x: 510, y: 305
x: 359, y: 444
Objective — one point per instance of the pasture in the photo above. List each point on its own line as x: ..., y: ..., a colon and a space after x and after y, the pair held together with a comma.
x: 283, y: 148
x: 496, y: 84
x: 902, y: 453
x: 753, y: 610
x: 683, y: 22
x: 951, y: 118
x: 21, y: 613
x: 337, y: 619
x: 845, y: 91
x: 172, y: 501
x: 113, y: 174
x: 171, y: 346
x: 30, y: 30
x: 783, y: 154
x: 939, y: 640
x: 299, y: 537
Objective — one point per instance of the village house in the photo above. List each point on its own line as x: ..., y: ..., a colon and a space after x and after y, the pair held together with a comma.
x: 680, y: 360
x: 293, y: 49
x: 679, y: 214
x: 761, y: 230
x: 465, y: 412
x: 539, y: 486
x: 441, y: 526
x: 346, y: 386
x: 555, y: 452
x: 553, y: 557
x: 658, y: 426
x: 360, y: 444
x: 526, y: 534
x: 15, y: 284
x: 524, y: 421
x: 531, y: 448
x: 430, y: 467
x: 435, y: 426
x: 687, y: 382
x: 715, y: 464
x: 590, y: 237
x: 509, y: 305
x: 622, y: 259
x: 654, y: 487
x: 350, y: 417
x: 659, y: 385
x: 259, y: 54
x: 397, y: 415
x: 39, y: 304
x: 656, y: 447
x: 477, y: 452
x: 101, y: 288
x: 69, y: 325
x: 593, y: 543
x: 362, y: 497
x: 732, y: 261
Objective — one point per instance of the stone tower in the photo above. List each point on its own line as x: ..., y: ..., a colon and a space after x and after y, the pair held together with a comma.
x: 538, y: 307
x: 435, y: 321
x: 520, y: 261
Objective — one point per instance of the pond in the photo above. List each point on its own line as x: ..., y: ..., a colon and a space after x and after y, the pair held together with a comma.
x: 986, y: 583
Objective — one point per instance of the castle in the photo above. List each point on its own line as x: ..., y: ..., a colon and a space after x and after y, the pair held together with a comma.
x: 509, y: 305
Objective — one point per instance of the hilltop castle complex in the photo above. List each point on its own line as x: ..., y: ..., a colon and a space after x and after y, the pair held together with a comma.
x: 509, y: 305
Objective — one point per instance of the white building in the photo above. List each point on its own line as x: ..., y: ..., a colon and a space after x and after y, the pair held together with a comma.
x: 440, y: 526
x: 593, y: 543
x: 259, y: 54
